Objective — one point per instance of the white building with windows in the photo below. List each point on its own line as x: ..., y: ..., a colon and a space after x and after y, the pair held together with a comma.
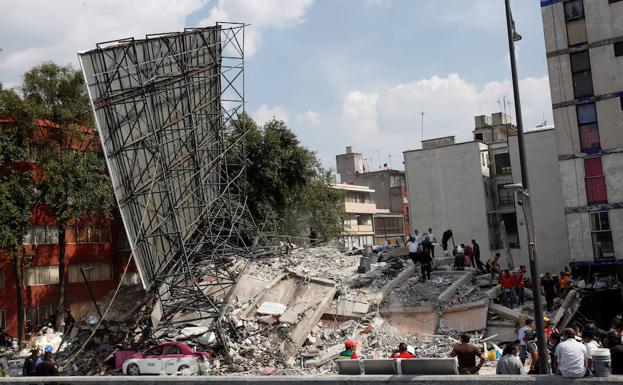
x: 584, y: 45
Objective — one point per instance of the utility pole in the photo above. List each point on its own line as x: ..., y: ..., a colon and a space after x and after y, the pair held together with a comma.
x: 534, y: 274
x: 422, y: 128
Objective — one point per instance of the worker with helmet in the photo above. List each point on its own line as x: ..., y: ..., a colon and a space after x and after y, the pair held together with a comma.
x: 349, y: 352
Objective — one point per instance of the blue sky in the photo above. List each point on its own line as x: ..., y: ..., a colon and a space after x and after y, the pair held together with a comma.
x: 340, y: 72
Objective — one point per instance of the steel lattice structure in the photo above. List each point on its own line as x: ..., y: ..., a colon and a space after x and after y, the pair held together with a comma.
x: 167, y: 110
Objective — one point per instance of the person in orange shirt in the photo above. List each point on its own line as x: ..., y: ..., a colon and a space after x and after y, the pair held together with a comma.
x: 508, y: 288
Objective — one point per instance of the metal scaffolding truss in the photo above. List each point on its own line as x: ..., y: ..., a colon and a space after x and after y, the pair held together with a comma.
x: 167, y: 110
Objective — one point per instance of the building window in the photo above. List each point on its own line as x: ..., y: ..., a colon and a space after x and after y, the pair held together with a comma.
x: 40, y: 315
x: 601, y: 235
x: 88, y: 234
x: 42, y: 275
x: 41, y: 234
x: 574, y: 9
x: 581, y: 73
x: 502, y: 163
x: 587, y: 124
x: 505, y: 196
x: 478, y: 137
x: 92, y: 271
x: 618, y: 49
x: 2, y: 319
x: 595, y: 181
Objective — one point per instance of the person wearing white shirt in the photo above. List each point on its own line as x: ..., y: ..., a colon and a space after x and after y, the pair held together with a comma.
x: 433, y: 241
x: 418, y: 237
x: 572, y: 356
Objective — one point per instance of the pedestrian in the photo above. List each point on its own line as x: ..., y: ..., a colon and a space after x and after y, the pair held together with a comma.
x: 426, y: 263
x: 533, y: 351
x: 445, y: 237
x: 426, y: 244
x: 459, y: 259
x: 572, y: 356
x: 433, y: 241
x: 565, y: 283
x: 553, y: 341
x: 548, y: 287
x: 493, y: 267
x: 466, y: 354
x: 28, y: 368
x: 523, y: 353
x: 616, y: 352
x: 508, y: 288
x: 402, y: 352
x: 413, y: 248
x: 588, y: 339
x: 467, y: 250
x: 417, y: 236
x: 476, y: 259
x: 69, y: 321
x: 46, y: 366
x: 349, y: 351
x: 550, y: 328
x: 509, y: 363
x: 519, y: 285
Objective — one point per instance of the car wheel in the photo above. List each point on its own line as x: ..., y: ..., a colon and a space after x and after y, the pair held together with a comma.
x: 133, y: 370
x: 182, y: 369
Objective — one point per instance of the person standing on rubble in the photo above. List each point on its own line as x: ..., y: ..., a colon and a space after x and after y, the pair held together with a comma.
x: 477, y: 263
x: 426, y: 263
x: 548, y: 287
x: 519, y: 285
x: 433, y: 241
x: 466, y: 354
x: 413, y: 249
x: 402, y: 352
x: 426, y: 244
x: 533, y: 351
x: 417, y: 236
x: 459, y: 258
x: 445, y: 237
x: 349, y: 351
x: 523, y: 353
x: 508, y: 288
x: 493, y: 267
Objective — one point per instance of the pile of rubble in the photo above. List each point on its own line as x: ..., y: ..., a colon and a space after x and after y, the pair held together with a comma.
x: 415, y: 292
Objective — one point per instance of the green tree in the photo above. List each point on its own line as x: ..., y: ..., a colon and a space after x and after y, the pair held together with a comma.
x: 74, y: 183
x: 288, y: 191
x: 17, y: 197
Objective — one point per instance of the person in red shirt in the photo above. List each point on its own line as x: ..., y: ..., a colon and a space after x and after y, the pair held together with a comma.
x: 402, y: 352
x: 349, y: 352
x: 508, y: 288
x: 519, y: 284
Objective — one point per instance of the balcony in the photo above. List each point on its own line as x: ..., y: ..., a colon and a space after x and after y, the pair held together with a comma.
x: 359, y: 229
x: 359, y: 208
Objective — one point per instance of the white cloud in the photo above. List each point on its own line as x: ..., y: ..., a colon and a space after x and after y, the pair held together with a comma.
x: 474, y: 13
x: 261, y: 15
x: 379, y: 3
x: 56, y: 30
x: 359, y: 113
x: 309, y: 118
x: 388, y: 120
x: 265, y: 114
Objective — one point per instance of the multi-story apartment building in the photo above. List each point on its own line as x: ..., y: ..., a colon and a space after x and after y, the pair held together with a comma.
x: 360, y: 208
x: 460, y: 186
x: 584, y: 45
x: 390, y: 191
x: 99, y: 246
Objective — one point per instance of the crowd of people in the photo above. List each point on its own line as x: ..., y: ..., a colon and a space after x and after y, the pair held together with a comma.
x: 40, y: 364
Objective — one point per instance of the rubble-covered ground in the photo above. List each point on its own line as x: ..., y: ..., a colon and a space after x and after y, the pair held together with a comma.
x: 413, y: 292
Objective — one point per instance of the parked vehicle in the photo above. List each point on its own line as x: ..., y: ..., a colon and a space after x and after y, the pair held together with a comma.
x: 169, y: 358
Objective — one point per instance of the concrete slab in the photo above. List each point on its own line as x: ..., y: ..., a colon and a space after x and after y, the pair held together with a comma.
x: 415, y: 320
x: 248, y: 287
x: 510, y: 314
x: 466, y: 318
x: 461, y: 279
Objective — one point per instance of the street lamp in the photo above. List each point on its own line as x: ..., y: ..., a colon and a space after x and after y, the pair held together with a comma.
x: 523, y: 189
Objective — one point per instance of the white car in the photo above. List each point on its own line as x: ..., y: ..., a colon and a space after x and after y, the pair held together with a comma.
x: 168, y: 358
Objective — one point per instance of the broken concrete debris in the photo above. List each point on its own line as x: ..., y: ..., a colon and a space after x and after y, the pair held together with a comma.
x: 291, y: 313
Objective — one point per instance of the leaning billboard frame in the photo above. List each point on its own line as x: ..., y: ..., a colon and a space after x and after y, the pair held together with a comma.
x: 167, y: 110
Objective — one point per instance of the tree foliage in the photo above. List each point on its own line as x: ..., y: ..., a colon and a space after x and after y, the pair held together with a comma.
x: 288, y: 191
x: 73, y: 182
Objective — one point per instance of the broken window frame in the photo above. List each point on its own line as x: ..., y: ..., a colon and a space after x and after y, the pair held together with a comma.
x: 502, y: 163
x: 595, y: 182
x: 582, y: 77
